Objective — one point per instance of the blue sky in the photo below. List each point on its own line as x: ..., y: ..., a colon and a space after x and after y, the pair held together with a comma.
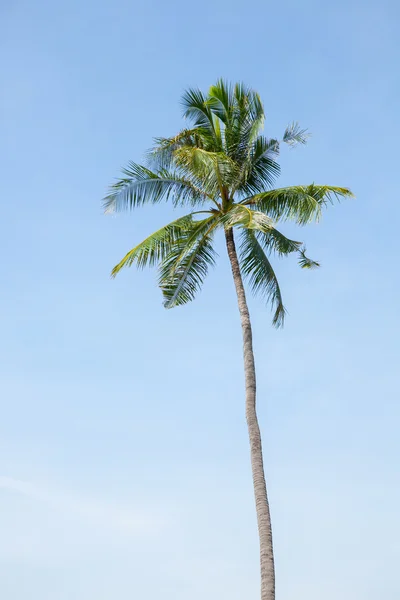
x: 124, y: 468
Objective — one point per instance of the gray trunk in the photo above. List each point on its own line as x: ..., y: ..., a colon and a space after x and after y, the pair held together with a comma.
x: 260, y: 489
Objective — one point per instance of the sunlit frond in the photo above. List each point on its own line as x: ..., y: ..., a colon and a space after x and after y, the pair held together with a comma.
x: 240, y: 215
x: 214, y: 169
x: 302, y: 204
x: 272, y: 240
x: 156, y: 246
x: 161, y: 156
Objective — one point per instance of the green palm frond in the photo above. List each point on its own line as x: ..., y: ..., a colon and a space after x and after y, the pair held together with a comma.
x: 143, y: 186
x: 302, y: 204
x: 161, y: 156
x: 246, y: 125
x: 240, y: 215
x: 249, y: 104
x: 305, y: 262
x: 274, y: 241
x: 196, y: 110
x: 185, y: 267
x: 215, y: 169
x: 261, y: 277
x: 156, y: 246
x: 221, y: 101
x: 260, y: 168
x: 240, y: 114
x: 269, y: 237
x: 295, y: 135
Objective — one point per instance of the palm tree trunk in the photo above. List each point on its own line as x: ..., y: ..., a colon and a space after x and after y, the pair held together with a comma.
x: 260, y: 489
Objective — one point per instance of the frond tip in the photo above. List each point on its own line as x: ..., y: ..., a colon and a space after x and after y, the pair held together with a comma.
x: 305, y: 262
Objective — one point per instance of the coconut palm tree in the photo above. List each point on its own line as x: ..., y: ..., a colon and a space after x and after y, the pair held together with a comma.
x: 223, y: 169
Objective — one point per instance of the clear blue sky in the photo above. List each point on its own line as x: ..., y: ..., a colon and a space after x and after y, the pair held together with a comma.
x: 124, y: 468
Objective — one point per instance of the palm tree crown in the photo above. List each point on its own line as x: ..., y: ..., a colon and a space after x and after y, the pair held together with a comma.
x: 223, y: 169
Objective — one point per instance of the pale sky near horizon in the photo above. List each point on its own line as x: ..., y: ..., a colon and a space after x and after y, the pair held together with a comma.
x: 124, y: 467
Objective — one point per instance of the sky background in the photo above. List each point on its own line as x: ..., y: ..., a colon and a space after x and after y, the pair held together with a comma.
x: 124, y: 462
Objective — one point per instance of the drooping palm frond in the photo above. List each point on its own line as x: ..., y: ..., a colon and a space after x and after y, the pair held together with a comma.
x: 274, y: 241
x: 156, y: 246
x: 302, y: 204
x: 261, y: 277
x: 270, y: 238
x: 185, y: 267
x: 143, y: 186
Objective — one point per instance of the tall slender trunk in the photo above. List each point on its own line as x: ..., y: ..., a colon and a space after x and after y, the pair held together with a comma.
x: 260, y: 489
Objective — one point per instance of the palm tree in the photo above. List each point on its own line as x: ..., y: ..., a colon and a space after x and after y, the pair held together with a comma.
x: 223, y: 169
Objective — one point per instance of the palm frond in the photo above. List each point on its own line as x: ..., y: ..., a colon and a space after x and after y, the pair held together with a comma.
x: 273, y: 240
x: 196, y: 110
x: 156, y: 246
x: 143, y: 186
x: 185, y: 267
x: 302, y: 204
x: 246, y: 124
x: 249, y: 103
x: 240, y: 215
x: 214, y: 169
x: 221, y: 100
x: 241, y: 112
x: 260, y: 168
x: 269, y: 237
x: 305, y: 262
x: 161, y: 155
x: 261, y: 277
x: 295, y: 135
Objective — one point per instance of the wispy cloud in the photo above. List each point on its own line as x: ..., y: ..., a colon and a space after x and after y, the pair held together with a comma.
x: 91, y: 510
